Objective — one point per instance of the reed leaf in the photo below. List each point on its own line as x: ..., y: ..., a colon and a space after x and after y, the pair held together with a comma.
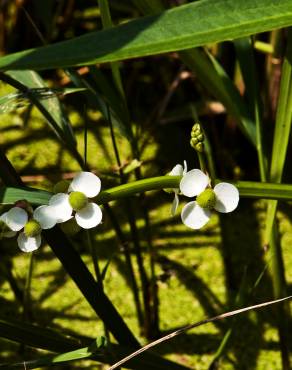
x: 183, y: 27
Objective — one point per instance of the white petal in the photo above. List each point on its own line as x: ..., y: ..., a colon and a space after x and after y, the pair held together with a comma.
x: 3, y: 217
x: 194, y: 216
x: 16, y: 218
x: 61, y: 207
x: 87, y: 183
x: 227, y: 197
x: 174, y: 204
x: 89, y: 216
x: 193, y: 183
x: 46, y: 216
x: 28, y: 244
x: 177, y: 170
x: 6, y: 234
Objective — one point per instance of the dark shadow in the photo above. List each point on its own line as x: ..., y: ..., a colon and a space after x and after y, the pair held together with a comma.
x: 195, y: 285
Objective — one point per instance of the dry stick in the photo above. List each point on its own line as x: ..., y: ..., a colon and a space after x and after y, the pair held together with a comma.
x: 191, y: 326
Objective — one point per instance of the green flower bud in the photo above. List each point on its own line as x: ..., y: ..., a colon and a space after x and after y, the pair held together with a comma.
x: 200, y: 137
x: 207, y: 199
x: 196, y: 127
x: 77, y: 200
x: 32, y: 228
x: 194, y: 141
x: 70, y: 227
x: 195, y: 133
x: 199, y: 147
x: 61, y: 187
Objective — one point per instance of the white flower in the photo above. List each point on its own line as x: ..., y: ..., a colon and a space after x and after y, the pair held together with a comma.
x: 17, y: 219
x: 178, y: 170
x: 223, y: 198
x: 87, y: 214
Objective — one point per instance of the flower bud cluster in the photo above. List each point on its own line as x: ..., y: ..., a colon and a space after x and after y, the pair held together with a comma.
x: 197, y: 138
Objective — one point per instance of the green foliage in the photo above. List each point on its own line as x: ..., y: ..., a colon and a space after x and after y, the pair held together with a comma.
x: 167, y: 31
x: 141, y: 272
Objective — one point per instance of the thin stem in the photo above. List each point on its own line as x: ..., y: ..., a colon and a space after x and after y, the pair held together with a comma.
x: 94, y: 257
x: 27, y: 288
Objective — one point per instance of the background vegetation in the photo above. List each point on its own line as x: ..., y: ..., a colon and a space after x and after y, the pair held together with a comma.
x: 121, y: 100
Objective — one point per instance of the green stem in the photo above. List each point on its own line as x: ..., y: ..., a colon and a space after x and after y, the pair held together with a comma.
x: 27, y: 288
x: 247, y: 189
x: 94, y: 257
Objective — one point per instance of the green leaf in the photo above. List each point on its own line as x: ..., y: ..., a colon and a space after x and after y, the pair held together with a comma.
x: 36, y: 336
x: 184, y: 27
x: 15, y: 100
x: 9, y: 195
x: 68, y: 348
x: 247, y: 65
x: 282, y: 132
x: 55, y: 114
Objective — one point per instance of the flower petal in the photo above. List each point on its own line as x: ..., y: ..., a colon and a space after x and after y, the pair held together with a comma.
x: 89, y: 216
x: 177, y: 170
x: 3, y: 217
x: 193, y: 183
x: 16, y: 218
x: 174, y: 204
x: 28, y: 244
x: 87, y: 183
x: 61, y: 207
x: 194, y: 216
x: 6, y: 233
x: 46, y: 216
x: 227, y: 197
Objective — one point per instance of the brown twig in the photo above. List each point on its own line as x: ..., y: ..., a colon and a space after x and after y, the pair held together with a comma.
x: 191, y: 326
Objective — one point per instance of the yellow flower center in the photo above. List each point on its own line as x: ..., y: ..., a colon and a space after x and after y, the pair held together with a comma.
x: 207, y: 199
x: 32, y: 228
x: 77, y: 200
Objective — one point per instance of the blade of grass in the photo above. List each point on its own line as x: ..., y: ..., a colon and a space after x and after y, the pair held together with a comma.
x: 246, y: 60
x: 282, y: 132
x: 182, y: 27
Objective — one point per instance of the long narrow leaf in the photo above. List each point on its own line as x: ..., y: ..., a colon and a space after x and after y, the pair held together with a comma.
x: 183, y: 27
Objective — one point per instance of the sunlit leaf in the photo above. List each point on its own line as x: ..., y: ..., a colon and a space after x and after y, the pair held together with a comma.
x: 183, y: 27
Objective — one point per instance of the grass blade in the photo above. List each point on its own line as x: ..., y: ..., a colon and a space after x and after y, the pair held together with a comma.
x: 183, y: 27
